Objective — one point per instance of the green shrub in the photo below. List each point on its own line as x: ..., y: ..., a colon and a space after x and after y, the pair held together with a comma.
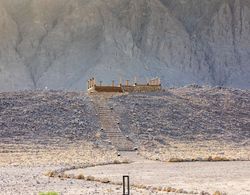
x: 48, y: 193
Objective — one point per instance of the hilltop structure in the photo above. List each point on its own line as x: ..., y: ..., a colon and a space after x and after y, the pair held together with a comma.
x: 152, y: 85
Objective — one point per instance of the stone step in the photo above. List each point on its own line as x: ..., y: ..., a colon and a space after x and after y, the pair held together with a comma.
x: 114, y: 133
x: 109, y: 124
x: 116, y: 138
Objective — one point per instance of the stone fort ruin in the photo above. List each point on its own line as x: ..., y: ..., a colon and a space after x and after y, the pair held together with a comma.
x: 151, y: 86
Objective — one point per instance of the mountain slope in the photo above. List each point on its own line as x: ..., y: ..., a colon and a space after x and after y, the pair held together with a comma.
x: 60, y: 44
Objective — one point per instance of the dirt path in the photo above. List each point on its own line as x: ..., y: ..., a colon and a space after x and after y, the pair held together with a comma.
x: 230, y: 177
x: 110, y: 123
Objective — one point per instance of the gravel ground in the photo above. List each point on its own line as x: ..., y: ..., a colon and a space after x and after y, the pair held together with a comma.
x: 192, y: 122
x: 23, y: 168
x: 29, y: 181
x: 229, y: 177
x: 193, y: 114
x: 44, y: 130
x: 194, y: 177
x: 42, y: 117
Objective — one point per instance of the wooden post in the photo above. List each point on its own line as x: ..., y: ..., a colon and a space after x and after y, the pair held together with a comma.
x: 127, y: 82
x: 125, y: 185
x: 100, y: 83
x: 120, y: 82
x: 113, y: 83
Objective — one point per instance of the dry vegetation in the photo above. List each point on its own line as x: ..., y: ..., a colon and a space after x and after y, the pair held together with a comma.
x: 198, y: 151
x: 66, y: 156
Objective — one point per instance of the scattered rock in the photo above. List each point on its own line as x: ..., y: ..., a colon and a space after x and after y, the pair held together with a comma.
x: 105, y: 180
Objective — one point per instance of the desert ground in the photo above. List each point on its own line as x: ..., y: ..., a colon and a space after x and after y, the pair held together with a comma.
x: 186, y: 178
x: 147, y: 176
x: 191, y: 140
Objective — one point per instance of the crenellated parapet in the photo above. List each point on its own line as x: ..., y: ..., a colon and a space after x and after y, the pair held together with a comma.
x: 152, y: 85
x: 91, y: 83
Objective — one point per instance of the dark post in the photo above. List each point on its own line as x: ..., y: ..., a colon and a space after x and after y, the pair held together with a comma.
x: 90, y: 83
x: 126, y: 181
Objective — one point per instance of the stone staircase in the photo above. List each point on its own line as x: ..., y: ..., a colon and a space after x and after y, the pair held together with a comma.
x: 110, y: 123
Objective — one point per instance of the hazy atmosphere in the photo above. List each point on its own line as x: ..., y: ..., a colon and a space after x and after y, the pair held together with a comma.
x: 154, y: 90
x: 59, y: 44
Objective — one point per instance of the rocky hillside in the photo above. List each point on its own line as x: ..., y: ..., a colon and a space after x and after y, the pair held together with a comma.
x: 186, y: 114
x: 182, y: 114
x: 46, y: 117
x: 61, y: 43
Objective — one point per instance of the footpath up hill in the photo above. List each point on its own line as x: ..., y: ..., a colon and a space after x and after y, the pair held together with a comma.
x: 194, y: 114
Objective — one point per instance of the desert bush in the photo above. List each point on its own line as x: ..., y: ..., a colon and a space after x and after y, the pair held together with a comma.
x: 105, y: 180
x: 126, y: 161
x: 117, y: 162
x: 48, y: 193
x: 220, y: 159
x: 175, y: 160
x: 219, y: 193
x: 80, y: 176
x: 90, y: 178
x: 118, y: 183
x: 50, y: 173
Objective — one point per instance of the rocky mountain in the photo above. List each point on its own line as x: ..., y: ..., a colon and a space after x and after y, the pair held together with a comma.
x: 180, y: 114
x: 59, y: 44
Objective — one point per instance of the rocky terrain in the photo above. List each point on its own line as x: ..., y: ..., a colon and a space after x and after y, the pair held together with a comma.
x: 24, y: 168
x: 189, y: 123
x: 46, y: 131
x: 59, y: 44
x: 188, y: 113
x: 41, y: 116
x: 210, y: 178
x: 192, y: 120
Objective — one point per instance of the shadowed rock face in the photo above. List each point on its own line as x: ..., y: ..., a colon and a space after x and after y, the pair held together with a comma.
x: 61, y: 43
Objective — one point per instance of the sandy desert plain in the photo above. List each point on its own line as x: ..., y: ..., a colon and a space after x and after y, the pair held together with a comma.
x: 190, y: 140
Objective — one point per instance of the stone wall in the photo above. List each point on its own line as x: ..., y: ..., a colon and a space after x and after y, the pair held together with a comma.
x: 142, y: 88
x: 128, y: 88
x: 105, y: 89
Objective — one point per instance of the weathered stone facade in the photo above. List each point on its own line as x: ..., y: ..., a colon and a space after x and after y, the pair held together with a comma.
x: 151, y: 86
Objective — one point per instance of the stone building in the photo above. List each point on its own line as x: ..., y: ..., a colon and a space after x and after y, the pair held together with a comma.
x: 152, y: 85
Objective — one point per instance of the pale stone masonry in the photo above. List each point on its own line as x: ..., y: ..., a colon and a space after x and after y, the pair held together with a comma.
x: 152, y: 86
